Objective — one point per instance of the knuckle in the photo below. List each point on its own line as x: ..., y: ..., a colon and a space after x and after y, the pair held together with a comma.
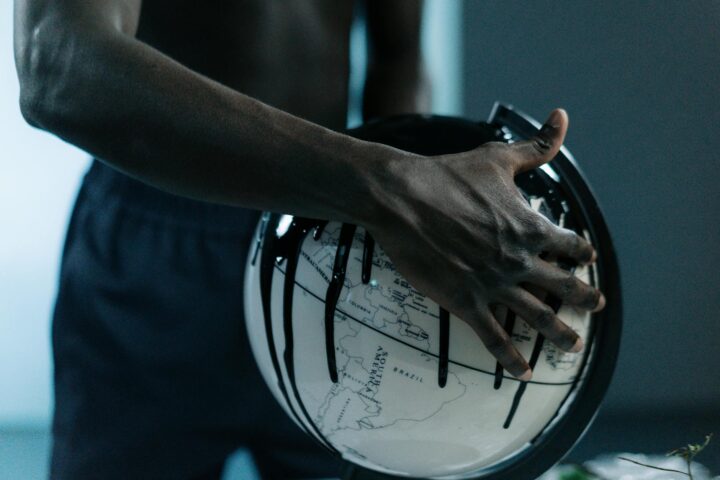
x: 516, y: 366
x: 541, y: 144
x: 538, y: 230
x: 526, y: 263
x: 567, y: 339
x: 582, y: 248
x: 578, y: 243
x: 588, y: 252
x: 496, y: 343
x: 568, y: 287
x: 544, y: 318
x: 518, y: 263
x: 543, y: 225
x: 592, y: 298
x: 570, y: 241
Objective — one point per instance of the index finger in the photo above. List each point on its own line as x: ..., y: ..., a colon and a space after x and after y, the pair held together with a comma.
x: 500, y: 346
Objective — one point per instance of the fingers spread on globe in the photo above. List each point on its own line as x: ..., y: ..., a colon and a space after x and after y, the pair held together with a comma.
x: 462, y: 229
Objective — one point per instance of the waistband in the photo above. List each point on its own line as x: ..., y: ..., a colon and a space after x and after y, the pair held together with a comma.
x: 103, y: 185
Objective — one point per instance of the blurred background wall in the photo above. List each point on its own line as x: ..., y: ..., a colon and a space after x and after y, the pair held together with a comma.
x: 38, y: 178
x: 641, y: 83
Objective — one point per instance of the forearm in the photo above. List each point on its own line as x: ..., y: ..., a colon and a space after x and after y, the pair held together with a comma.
x: 154, y: 119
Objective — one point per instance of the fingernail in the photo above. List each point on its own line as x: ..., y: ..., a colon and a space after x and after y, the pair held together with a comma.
x: 579, y: 345
x: 553, y: 121
x: 589, y: 261
x: 601, y: 303
x: 593, y: 258
x: 525, y: 377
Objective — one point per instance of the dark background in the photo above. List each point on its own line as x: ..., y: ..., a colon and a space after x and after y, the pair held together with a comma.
x: 640, y: 81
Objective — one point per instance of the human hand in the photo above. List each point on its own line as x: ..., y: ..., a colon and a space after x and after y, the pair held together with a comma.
x: 458, y: 229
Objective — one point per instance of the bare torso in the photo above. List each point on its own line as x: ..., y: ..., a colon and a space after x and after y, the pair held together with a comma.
x: 291, y: 55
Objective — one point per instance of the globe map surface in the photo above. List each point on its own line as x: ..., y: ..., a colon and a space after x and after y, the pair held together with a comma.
x: 381, y: 375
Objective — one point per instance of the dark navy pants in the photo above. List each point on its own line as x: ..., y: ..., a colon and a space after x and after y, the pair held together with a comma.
x: 154, y: 377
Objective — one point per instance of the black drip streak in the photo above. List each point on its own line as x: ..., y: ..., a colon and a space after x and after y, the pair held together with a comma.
x: 347, y: 232
x: 574, y: 383
x: 444, y: 350
x: 342, y: 254
x: 554, y: 303
x: 369, y: 246
x: 319, y: 227
x: 267, y: 261
x: 443, y: 354
x: 287, y: 247
x: 275, y: 250
x: 367, y: 256
x: 509, y: 326
x: 295, y: 236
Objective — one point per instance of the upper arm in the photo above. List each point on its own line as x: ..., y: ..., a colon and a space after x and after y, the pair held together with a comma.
x: 48, y: 34
x: 394, y: 31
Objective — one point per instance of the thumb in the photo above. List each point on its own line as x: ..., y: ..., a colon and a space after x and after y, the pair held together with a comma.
x: 545, y: 144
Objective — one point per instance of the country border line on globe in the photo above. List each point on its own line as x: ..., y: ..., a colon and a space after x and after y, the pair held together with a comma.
x: 475, y: 369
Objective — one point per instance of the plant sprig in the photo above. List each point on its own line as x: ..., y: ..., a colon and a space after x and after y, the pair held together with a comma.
x: 688, y: 453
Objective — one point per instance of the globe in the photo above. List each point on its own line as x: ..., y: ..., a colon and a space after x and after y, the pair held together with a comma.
x: 381, y: 375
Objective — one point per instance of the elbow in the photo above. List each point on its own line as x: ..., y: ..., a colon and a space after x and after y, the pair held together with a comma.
x: 30, y: 106
x: 31, y: 81
x: 44, y: 69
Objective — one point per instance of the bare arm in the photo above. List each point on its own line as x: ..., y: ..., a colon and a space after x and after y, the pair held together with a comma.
x: 85, y: 78
x: 455, y: 226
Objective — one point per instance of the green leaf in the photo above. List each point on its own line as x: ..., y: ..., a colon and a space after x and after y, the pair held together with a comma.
x: 577, y: 472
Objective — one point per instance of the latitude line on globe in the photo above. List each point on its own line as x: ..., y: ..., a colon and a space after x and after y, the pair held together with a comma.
x: 534, y: 382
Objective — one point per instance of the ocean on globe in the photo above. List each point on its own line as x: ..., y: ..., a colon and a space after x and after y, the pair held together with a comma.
x: 380, y: 374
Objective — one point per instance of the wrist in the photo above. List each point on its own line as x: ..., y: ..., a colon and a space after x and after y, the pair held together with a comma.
x: 382, y: 174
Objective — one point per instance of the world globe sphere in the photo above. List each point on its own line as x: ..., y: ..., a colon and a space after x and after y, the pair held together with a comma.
x: 381, y: 375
